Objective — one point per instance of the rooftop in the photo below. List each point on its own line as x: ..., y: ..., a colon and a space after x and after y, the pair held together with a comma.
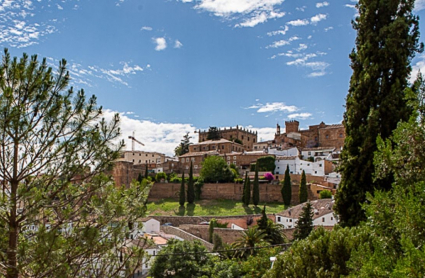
x: 321, y: 207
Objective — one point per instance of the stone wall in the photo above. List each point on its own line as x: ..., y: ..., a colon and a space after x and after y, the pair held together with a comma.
x: 227, y: 235
x: 185, y: 235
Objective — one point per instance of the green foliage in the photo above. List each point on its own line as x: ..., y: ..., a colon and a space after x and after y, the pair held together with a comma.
x: 215, y: 169
x: 183, y: 147
x: 322, y: 254
x: 238, y: 180
x: 386, y: 42
x: 198, y: 188
x: 238, y: 141
x: 256, y: 189
x: 286, y: 190
x: 176, y: 180
x: 266, y: 164
x: 211, y: 229
x: 186, y: 259
x: 249, y: 239
x: 305, y: 222
x: 213, y: 133
x: 246, y: 191
x: 182, y: 193
x: 190, y: 186
x: 140, y: 178
x: 55, y: 150
x: 274, y: 232
x: 325, y: 194
x: 160, y: 176
x: 310, y: 158
x: 146, y: 171
x: 303, y: 189
x: 218, y: 242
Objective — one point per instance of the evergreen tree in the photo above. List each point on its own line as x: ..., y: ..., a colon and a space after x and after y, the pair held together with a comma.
x: 213, y: 224
x: 182, y: 192
x: 387, y: 39
x: 247, y: 191
x: 57, y: 203
x: 140, y: 178
x: 146, y: 171
x: 190, y: 187
x: 256, y: 189
x: 244, y: 186
x: 305, y: 222
x: 286, y: 190
x: 262, y: 223
x: 213, y: 133
x: 183, y: 147
x: 303, y: 189
x: 218, y: 242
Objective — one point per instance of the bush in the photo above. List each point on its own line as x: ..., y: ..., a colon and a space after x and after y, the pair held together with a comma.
x: 269, y: 176
x: 238, y: 180
x: 176, y: 180
x: 325, y: 194
x: 160, y: 176
x: 215, y: 169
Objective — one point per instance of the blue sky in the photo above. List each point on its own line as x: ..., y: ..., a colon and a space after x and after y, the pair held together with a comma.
x: 175, y: 66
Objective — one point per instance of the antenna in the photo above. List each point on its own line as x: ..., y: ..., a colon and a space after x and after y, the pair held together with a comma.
x: 133, y: 139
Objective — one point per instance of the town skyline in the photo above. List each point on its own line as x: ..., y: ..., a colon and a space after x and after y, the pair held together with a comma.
x: 175, y: 66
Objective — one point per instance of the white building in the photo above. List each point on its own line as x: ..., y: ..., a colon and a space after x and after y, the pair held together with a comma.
x: 286, y: 152
x: 323, y: 214
x: 297, y: 166
x: 318, y: 153
x: 142, y: 157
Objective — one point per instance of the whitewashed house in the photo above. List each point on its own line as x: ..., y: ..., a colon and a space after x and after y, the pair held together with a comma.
x: 286, y: 152
x: 297, y: 166
x: 317, y: 153
x: 323, y: 214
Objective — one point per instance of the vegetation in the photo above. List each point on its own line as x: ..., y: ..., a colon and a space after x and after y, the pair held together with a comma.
x: 160, y: 176
x: 266, y: 164
x: 56, y: 199
x: 198, y: 188
x: 274, y: 232
x: 325, y: 194
x: 386, y: 42
x: 256, y: 189
x: 215, y: 169
x: 182, y: 193
x: 286, y: 190
x: 213, y: 133
x: 247, y: 190
x: 190, y: 186
x: 303, y: 189
x: 183, y: 147
x: 305, y: 222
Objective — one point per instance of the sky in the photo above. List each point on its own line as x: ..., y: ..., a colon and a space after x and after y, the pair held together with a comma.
x: 174, y: 66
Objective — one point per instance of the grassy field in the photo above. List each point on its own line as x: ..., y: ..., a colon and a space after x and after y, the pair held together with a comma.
x: 209, y: 208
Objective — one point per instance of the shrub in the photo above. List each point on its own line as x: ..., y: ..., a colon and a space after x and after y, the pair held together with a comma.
x: 238, y: 180
x: 160, y: 176
x: 269, y: 176
x: 325, y: 194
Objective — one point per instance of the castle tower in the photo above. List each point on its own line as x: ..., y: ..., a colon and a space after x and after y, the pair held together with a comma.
x: 292, y: 126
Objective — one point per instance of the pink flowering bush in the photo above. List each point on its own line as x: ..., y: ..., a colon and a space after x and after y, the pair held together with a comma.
x: 269, y: 176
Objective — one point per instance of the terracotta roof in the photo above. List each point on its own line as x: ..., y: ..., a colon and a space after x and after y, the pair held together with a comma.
x: 321, y: 207
x: 286, y: 157
x: 333, y: 126
x: 319, y: 149
x: 200, y: 153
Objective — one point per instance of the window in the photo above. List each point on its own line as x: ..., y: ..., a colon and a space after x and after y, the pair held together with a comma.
x: 308, y: 164
x: 228, y: 162
x: 194, y: 148
x: 341, y: 135
x: 187, y: 167
x: 332, y: 218
x: 242, y: 137
x: 315, y: 172
x: 278, y: 219
x: 248, y: 138
x: 253, y: 140
x: 228, y: 158
x: 234, y: 157
x: 140, y: 154
x: 196, y: 166
x: 320, y: 165
x: 327, y: 136
x: 152, y: 155
x: 222, y: 147
x: 133, y: 160
x: 154, y: 252
x: 187, y: 159
x: 213, y: 147
x: 140, y: 161
x: 309, y: 153
x: 290, y: 220
x: 193, y: 159
x: 146, y: 154
x: 323, y: 219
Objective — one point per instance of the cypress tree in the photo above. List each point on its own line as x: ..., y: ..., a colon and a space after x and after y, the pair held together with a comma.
x: 146, y: 171
x: 262, y: 223
x: 256, y: 189
x: 182, y: 192
x: 140, y: 178
x: 247, y: 191
x: 305, y: 222
x: 190, y: 187
x: 303, y: 189
x: 244, y: 186
x: 286, y: 188
x: 387, y: 40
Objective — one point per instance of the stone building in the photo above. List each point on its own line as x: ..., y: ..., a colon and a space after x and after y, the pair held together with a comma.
x: 321, y: 135
x: 142, y: 157
x: 247, y: 137
x: 221, y: 146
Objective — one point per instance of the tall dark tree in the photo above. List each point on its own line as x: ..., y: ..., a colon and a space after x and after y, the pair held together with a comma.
x: 387, y: 40
x: 182, y: 193
x: 256, y: 189
x: 305, y: 222
x: 213, y: 133
x: 140, y: 178
x: 183, y: 147
x: 146, y: 171
x: 286, y: 190
x: 303, y: 189
x: 247, y: 191
x: 190, y: 186
x: 262, y: 222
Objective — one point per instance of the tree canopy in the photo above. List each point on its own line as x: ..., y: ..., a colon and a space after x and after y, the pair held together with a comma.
x: 215, y: 169
x: 387, y: 40
x: 183, y: 147
x: 213, y: 133
x: 57, y: 205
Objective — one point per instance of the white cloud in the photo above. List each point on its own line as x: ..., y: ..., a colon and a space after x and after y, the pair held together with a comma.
x: 301, y: 47
x: 161, y: 44
x: 318, y: 67
x: 177, y: 44
x: 301, y: 116
x: 419, y: 5
x: 328, y: 28
x: 350, y: 6
x: 157, y: 137
x: 278, y: 32
x: 264, y: 133
x: 302, y: 9
x: 322, y: 4
x: 280, y: 43
x: 146, y: 28
x: 249, y: 12
x: 298, y: 22
x: 418, y: 66
x: 273, y: 107
x: 315, y: 19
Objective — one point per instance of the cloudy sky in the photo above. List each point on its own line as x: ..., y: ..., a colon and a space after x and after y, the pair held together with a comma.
x: 175, y: 66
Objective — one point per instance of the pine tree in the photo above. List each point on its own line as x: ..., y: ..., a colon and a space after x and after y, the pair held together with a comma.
x: 190, y: 187
x: 303, y: 189
x: 286, y: 190
x: 387, y: 39
x: 247, y: 191
x: 256, y: 189
x: 182, y: 192
x: 305, y: 222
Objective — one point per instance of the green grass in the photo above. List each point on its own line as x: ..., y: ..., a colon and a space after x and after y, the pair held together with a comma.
x: 209, y: 208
